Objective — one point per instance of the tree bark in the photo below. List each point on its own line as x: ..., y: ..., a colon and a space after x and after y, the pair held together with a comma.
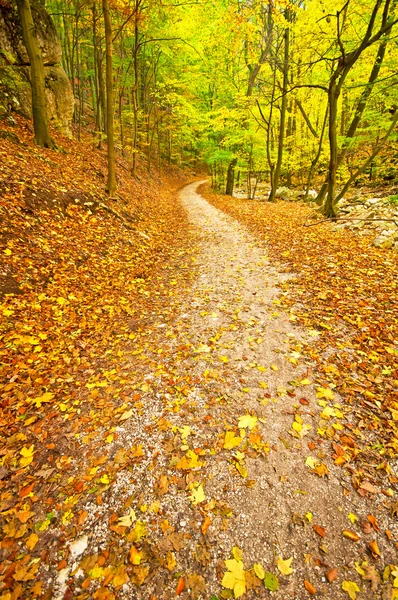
x: 111, y: 184
x: 281, y: 136
x: 229, y: 190
x: 39, y: 109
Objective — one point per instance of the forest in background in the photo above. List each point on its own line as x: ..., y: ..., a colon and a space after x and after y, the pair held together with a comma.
x: 278, y: 92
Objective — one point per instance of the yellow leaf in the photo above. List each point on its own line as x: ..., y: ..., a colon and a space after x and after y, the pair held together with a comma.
x: 171, y: 562
x: 325, y: 393
x: 32, y: 541
x: 127, y: 520
x: 352, y: 517
x: 67, y: 516
x: 120, y: 576
x: 126, y: 415
x: 135, y: 556
x: 237, y: 553
x: 274, y: 368
x: 351, y: 588
x: 241, y: 469
x: 259, y: 571
x: 235, y: 579
x: 247, y: 421
x: 27, y: 455
x: 284, y: 565
x: 104, y: 479
x: 47, y: 397
x: 197, y: 495
x: 8, y: 252
x: 231, y: 441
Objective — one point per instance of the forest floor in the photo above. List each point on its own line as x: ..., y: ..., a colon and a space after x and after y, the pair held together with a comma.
x: 194, y: 403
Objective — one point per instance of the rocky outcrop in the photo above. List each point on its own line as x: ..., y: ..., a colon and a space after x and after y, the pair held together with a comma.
x: 15, y: 91
x: 372, y: 216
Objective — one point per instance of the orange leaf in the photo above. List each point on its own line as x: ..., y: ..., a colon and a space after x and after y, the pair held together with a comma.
x: 180, y: 586
x: 319, y: 530
x: 309, y: 587
x: 374, y: 548
x: 205, y: 525
x: 372, y: 519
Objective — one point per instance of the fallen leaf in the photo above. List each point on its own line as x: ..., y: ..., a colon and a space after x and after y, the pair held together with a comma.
x: 351, y: 588
x: 231, y: 441
x: 351, y: 535
x: 271, y: 581
x: 247, y: 421
x: 331, y: 575
x: 284, y: 565
x: 180, y: 586
x: 259, y: 570
x: 309, y: 587
x: 374, y: 548
x: 319, y: 530
x: 198, y: 495
x: 205, y: 524
x: 372, y: 519
x: 234, y: 579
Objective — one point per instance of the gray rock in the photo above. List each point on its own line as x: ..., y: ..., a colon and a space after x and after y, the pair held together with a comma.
x: 15, y: 89
x: 383, y: 242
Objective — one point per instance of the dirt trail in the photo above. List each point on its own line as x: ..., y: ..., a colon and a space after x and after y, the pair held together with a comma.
x: 239, y: 356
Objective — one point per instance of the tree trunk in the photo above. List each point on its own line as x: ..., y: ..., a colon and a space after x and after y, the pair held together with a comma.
x: 333, y: 95
x: 229, y: 190
x: 111, y: 184
x: 281, y: 137
x: 39, y: 108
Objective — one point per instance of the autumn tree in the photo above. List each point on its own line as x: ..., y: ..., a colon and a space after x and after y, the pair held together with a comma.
x: 111, y: 183
x: 39, y: 108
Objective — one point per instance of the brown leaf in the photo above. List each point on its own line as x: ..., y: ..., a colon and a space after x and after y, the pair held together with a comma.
x: 366, y: 527
x: 373, y: 576
x: 331, y: 575
x: 368, y: 487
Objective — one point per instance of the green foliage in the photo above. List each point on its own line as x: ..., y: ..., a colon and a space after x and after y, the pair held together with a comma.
x: 393, y: 200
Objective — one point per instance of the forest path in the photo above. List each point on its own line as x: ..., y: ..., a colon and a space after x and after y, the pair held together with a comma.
x: 248, y: 363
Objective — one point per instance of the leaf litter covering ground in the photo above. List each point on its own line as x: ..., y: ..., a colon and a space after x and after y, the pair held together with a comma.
x: 183, y: 469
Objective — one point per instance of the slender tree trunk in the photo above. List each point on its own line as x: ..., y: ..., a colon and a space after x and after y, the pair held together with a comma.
x: 39, y: 108
x: 134, y: 93
x: 333, y: 95
x: 229, y: 190
x: 111, y: 184
x: 281, y: 137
